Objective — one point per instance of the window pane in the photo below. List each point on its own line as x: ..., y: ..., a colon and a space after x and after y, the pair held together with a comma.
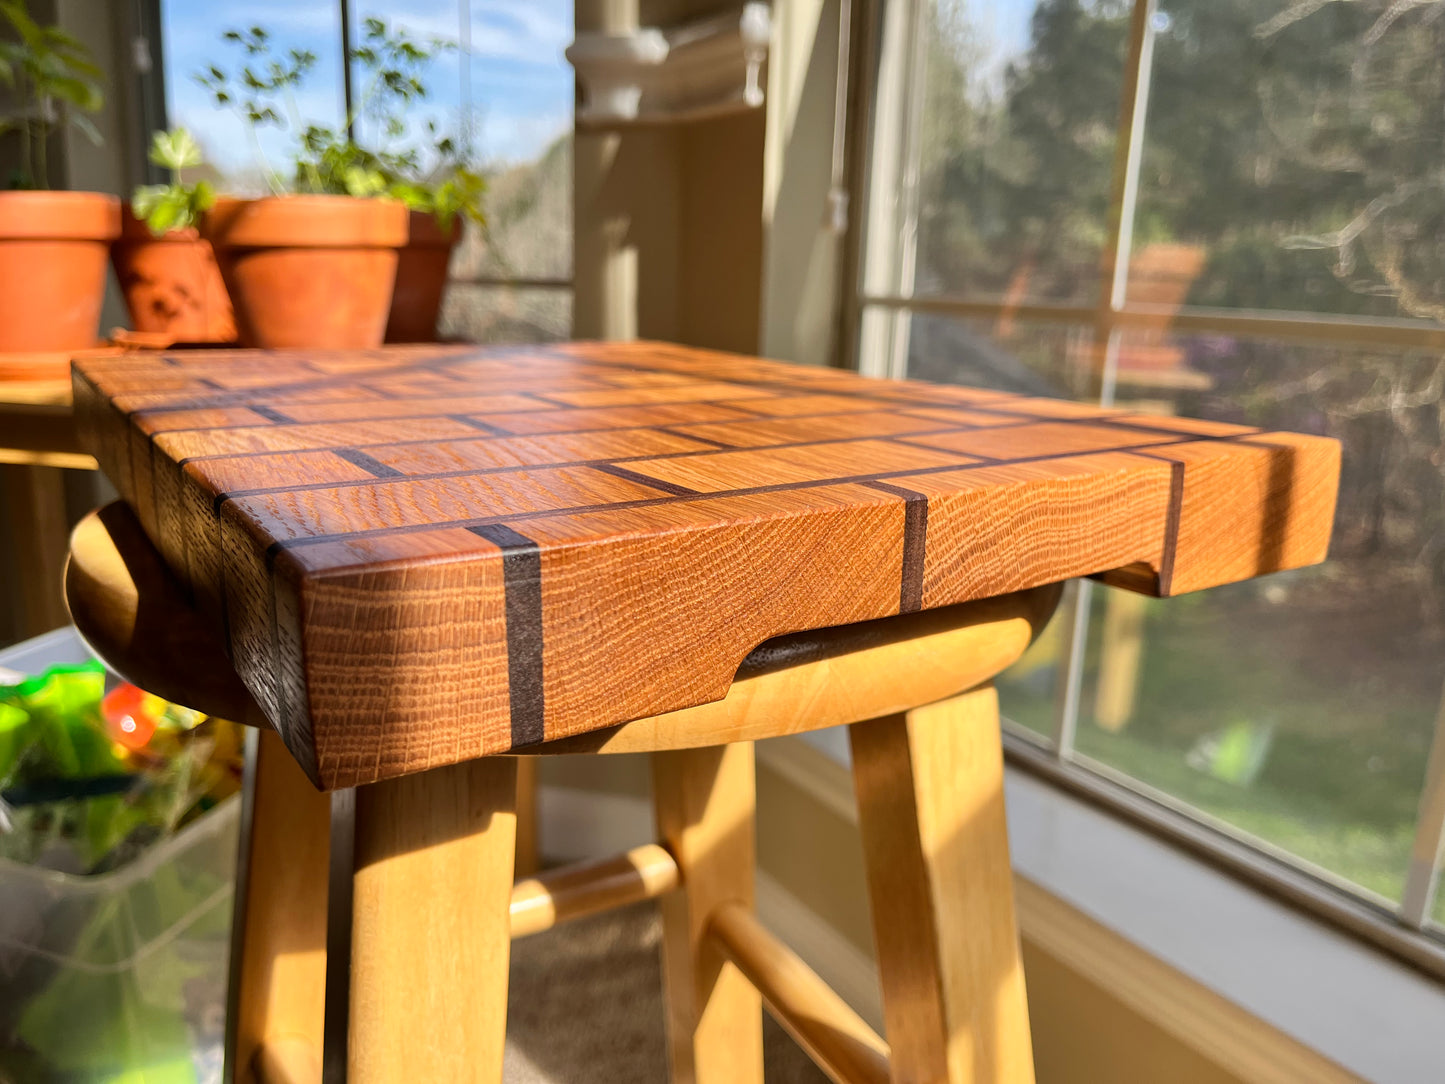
x: 1298, y: 707
x: 1005, y: 355
x: 1017, y: 133
x: 505, y: 314
x: 506, y: 96
x: 1030, y: 690
x: 529, y: 219
x: 192, y: 42
x: 1292, y: 158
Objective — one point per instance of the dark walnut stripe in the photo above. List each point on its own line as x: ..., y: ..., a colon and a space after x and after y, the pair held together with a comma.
x: 485, y: 427
x: 644, y: 480
x: 370, y: 464
x: 522, y: 584
x: 271, y: 414
x: 915, y: 544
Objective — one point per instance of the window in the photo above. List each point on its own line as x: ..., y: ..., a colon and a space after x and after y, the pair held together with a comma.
x: 506, y: 90
x: 1225, y: 209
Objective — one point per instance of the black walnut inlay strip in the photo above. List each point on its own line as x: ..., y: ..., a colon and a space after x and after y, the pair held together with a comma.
x: 522, y: 583
x: 643, y: 480
x: 367, y: 463
x: 271, y: 414
x: 915, y: 544
x: 485, y: 427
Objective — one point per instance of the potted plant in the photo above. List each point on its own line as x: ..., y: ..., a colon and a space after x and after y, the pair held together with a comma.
x: 312, y: 264
x: 53, y: 245
x: 434, y: 181
x: 167, y: 271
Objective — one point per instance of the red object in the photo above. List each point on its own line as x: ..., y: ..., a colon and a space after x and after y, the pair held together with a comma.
x: 126, y: 719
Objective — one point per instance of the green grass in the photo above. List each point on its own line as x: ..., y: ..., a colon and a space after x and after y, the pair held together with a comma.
x: 1333, y: 668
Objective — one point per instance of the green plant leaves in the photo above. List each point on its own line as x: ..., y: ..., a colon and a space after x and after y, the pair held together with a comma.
x: 329, y: 161
x: 57, y: 81
x: 177, y: 205
x: 175, y: 150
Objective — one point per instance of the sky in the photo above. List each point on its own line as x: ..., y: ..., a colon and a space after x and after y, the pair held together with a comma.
x: 521, y: 86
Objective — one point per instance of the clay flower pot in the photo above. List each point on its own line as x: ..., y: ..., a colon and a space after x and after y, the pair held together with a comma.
x: 308, y: 271
x: 172, y: 284
x: 421, y: 279
x: 53, y: 248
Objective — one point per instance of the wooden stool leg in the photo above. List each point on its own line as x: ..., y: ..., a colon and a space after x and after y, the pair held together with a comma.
x: 278, y: 938
x: 705, y: 801
x: 430, y: 934
x: 529, y: 843
x: 931, y: 810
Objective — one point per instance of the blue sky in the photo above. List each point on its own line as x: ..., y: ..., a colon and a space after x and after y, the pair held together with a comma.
x: 521, y: 86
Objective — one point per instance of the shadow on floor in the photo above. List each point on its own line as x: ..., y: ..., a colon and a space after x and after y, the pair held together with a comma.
x: 585, y: 1007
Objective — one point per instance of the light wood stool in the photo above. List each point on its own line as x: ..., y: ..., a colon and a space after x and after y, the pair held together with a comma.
x: 429, y: 564
x: 373, y: 924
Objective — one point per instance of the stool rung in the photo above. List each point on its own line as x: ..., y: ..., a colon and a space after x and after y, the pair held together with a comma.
x: 835, y: 1037
x: 585, y: 888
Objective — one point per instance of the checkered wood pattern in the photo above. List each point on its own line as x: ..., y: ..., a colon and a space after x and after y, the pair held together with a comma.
x: 425, y: 554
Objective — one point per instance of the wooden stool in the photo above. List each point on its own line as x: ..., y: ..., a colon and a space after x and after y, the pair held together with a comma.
x: 395, y: 966
x: 424, y: 563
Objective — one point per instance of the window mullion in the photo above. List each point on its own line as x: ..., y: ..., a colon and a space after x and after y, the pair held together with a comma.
x: 1113, y: 288
x: 1425, y: 852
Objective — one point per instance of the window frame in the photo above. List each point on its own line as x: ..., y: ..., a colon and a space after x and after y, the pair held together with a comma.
x: 880, y: 302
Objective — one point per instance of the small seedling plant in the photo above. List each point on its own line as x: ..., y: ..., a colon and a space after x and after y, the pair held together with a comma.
x: 179, y: 204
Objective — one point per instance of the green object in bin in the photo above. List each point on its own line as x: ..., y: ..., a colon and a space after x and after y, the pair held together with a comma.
x: 14, y: 736
x: 117, y: 995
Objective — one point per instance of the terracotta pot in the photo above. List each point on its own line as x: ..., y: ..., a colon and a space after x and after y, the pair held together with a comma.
x: 53, y: 248
x: 421, y: 279
x: 308, y: 271
x: 171, y: 283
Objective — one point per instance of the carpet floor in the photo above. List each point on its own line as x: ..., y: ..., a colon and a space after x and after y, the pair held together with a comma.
x: 585, y: 1007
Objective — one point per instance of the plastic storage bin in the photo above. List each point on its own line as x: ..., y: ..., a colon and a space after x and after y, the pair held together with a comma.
x: 119, y: 977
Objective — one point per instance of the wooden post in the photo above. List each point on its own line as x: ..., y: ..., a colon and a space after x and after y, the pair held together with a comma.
x: 35, y: 497
x: 705, y: 801
x: 430, y: 936
x: 529, y: 841
x: 931, y: 811
x: 278, y: 951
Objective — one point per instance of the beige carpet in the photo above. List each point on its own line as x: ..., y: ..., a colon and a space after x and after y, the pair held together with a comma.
x: 586, y: 1008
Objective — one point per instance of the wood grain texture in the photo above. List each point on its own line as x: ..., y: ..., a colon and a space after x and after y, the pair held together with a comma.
x: 705, y: 801
x: 430, y: 931
x: 931, y: 814
x: 835, y: 1037
x: 421, y: 555
x: 34, y: 501
x: 278, y: 971
x: 585, y: 888
x: 132, y: 613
